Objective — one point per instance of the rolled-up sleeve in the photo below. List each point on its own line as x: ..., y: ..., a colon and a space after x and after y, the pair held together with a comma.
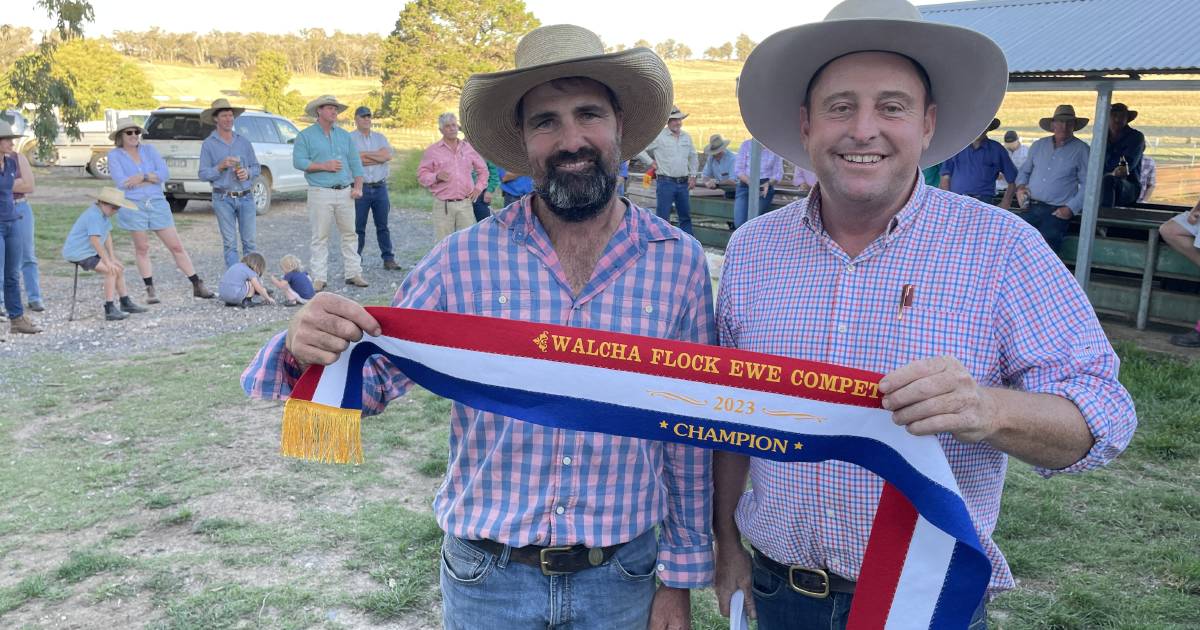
x: 208, y: 163
x: 352, y: 157
x: 426, y: 171
x: 301, y: 157
x: 1051, y: 343
x: 249, y: 158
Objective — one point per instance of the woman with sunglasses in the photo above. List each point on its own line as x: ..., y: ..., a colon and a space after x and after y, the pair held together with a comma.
x: 139, y: 171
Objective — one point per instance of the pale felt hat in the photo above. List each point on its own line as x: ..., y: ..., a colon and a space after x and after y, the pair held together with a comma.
x: 1063, y: 112
x: 310, y: 110
x: 207, y: 116
x: 113, y: 196
x: 122, y: 125
x: 967, y: 72
x: 675, y: 113
x: 638, y: 77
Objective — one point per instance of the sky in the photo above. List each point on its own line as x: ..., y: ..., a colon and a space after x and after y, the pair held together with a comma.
x: 704, y: 23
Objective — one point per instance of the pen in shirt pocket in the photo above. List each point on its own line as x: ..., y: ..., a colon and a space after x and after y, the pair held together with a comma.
x: 907, y: 293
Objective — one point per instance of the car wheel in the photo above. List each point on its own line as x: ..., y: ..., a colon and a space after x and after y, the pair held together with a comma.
x: 32, y: 156
x: 177, y: 204
x: 261, y: 189
x: 98, y: 167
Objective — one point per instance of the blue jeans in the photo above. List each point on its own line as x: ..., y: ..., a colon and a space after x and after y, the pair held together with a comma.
x: 668, y: 192
x: 11, y: 251
x: 1041, y: 216
x: 485, y: 590
x: 235, y: 216
x: 741, y: 203
x: 780, y: 608
x: 375, y: 202
x: 29, y: 261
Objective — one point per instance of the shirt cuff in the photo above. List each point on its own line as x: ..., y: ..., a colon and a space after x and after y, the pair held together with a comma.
x: 1110, y: 419
x: 685, y: 567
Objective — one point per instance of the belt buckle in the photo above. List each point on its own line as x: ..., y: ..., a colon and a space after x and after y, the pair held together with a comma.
x: 822, y: 594
x: 545, y: 562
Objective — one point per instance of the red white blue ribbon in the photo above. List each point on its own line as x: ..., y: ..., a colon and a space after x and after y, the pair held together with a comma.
x: 924, y: 566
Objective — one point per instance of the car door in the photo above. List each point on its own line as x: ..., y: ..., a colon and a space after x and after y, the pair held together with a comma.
x: 294, y: 178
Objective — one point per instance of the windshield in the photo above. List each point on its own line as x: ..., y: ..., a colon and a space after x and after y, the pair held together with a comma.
x: 176, y: 127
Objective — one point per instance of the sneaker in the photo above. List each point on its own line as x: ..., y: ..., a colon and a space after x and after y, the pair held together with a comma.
x: 1189, y: 339
x: 128, y: 306
x: 23, y: 325
x: 391, y: 265
x: 319, y: 286
x: 151, y: 296
x: 357, y: 281
x: 113, y: 314
x: 201, y: 291
x: 36, y: 306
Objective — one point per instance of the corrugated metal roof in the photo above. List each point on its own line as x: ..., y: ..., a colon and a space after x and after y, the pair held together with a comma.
x: 1084, y: 36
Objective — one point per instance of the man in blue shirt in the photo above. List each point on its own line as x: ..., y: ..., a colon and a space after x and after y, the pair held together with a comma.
x: 972, y: 172
x: 1054, y: 174
x: 331, y: 164
x: 227, y: 161
x: 719, y: 165
x: 1121, y: 185
x: 513, y: 186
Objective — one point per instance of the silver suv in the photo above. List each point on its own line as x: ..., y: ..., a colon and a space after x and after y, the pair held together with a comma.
x: 177, y: 133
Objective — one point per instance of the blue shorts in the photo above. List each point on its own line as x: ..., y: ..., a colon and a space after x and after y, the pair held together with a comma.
x: 152, y: 214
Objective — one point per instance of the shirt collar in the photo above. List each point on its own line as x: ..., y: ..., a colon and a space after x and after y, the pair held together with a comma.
x: 637, y: 224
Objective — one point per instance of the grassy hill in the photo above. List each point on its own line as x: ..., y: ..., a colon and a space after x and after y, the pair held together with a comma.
x: 189, y: 85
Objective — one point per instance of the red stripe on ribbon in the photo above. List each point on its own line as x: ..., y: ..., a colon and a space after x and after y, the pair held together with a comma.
x: 887, y: 549
x: 306, y: 387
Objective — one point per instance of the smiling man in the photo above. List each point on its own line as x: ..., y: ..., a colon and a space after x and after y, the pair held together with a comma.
x: 984, y: 339
x: 552, y: 527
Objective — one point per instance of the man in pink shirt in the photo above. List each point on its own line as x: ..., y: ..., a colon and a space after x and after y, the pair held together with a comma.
x: 446, y: 171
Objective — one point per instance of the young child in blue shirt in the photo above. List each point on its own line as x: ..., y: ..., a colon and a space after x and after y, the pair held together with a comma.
x: 296, y: 285
x: 241, y: 282
x: 89, y: 244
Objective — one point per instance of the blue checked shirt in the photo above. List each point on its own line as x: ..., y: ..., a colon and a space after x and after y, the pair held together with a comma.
x: 988, y: 291
x: 507, y: 480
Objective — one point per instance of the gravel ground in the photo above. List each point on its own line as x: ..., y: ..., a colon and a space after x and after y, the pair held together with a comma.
x: 182, y: 319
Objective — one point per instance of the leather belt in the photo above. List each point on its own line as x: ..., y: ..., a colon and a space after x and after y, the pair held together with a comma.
x: 340, y: 186
x: 373, y: 184
x: 451, y: 200
x: 677, y: 180
x: 552, y: 560
x: 817, y: 583
x: 228, y: 193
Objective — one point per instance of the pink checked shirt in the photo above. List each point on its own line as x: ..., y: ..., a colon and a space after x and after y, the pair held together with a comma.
x: 460, y: 162
x: 521, y: 483
x: 987, y: 290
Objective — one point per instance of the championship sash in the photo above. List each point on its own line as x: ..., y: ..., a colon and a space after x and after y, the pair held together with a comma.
x: 924, y: 566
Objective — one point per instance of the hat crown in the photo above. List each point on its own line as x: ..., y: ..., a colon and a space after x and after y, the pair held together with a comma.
x: 874, y: 9
x: 1064, y: 111
x: 715, y: 139
x: 221, y: 103
x: 555, y: 43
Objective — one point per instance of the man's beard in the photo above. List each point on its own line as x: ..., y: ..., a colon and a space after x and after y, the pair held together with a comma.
x: 577, y: 197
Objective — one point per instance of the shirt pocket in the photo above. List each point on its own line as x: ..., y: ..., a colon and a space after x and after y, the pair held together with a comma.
x: 930, y: 331
x: 633, y: 315
x: 503, y: 303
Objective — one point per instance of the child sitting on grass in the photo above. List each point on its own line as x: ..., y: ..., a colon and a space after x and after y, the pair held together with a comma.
x: 89, y: 244
x: 296, y: 285
x: 241, y: 282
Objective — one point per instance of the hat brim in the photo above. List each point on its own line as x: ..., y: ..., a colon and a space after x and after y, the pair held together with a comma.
x: 209, y: 115
x: 967, y: 70
x: 638, y: 77
x: 116, y: 132
x: 709, y: 150
x: 310, y: 110
x: 1080, y: 123
x: 15, y: 135
x: 123, y: 203
x: 994, y: 126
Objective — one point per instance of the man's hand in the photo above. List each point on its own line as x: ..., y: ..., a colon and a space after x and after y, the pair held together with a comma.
x: 732, y: 575
x: 228, y: 162
x: 333, y: 166
x: 1193, y: 215
x: 762, y: 191
x: 671, y: 609
x: 691, y: 182
x: 710, y: 183
x: 487, y: 197
x: 356, y: 192
x: 325, y: 327
x: 152, y: 178
x: 1064, y: 213
x: 241, y: 174
x: 443, y: 176
x: 939, y: 395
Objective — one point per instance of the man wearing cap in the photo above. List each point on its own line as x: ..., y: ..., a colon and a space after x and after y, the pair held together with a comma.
x: 718, y: 167
x: 1054, y: 175
x: 673, y: 156
x: 984, y: 338
x: 770, y: 169
x: 545, y: 526
x: 1017, y: 152
x: 375, y: 153
x: 455, y: 175
x: 227, y: 161
x: 329, y: 159
x: 973, y: 171
x: 1122, y: 184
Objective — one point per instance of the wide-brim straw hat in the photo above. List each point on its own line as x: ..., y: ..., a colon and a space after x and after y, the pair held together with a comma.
x: 208, y: 116
x: 6, y: 131
x: 675, y: 113
x: 638, y: 77
x: 310, y: 110
x: 715, y: 144
x: 1122, y: 107
x: 122, y: 125
x: 1063, y: 112
x: 113, y: 196
x: 967, y: 72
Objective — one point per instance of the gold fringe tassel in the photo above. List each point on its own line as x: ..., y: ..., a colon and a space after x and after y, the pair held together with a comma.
x: 321, y: 433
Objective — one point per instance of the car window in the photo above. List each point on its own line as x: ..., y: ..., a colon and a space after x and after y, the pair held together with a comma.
x: 287, y: 130
x: 176, y: 127
x: 256, y: 129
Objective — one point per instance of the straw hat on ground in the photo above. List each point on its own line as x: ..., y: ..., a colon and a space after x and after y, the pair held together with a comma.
x: 207, y: 116
x: 638, y: 77
x: 967, y: 72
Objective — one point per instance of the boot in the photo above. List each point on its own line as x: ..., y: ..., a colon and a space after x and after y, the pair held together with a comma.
x: 151, y: 296
x: 35, y: 306
x: 128, y: 306
x: 1189, y: 339
x: 112, y: 313
x: 201, y: 291
x: 23, y: 325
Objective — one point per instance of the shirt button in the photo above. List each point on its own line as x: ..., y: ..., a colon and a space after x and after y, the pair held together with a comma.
x: 649, y: 309
x: 842, y: 328
x: 503, y: 299
x: 560, y: 510
x: 850, y: 267
x: 830, y: 513
x: 660, y: 567
x: 567, y: 460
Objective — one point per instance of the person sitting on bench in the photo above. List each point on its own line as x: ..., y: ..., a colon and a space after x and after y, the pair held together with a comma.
x: 90, y: 245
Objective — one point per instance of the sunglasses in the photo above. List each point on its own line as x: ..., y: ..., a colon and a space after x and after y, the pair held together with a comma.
x: 133, y: 132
